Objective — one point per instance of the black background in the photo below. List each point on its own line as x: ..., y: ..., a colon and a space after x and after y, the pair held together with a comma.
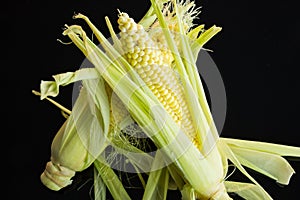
x: 256, y: 53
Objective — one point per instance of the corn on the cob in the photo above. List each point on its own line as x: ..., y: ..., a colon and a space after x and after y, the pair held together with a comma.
x: 152, y: 61
x: 73, y: 149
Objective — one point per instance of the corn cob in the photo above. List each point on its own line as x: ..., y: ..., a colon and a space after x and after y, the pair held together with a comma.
x: 72, y: 149
x: 152, y: 61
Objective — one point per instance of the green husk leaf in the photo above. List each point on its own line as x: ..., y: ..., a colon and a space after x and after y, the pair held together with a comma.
x: 224, y: 160
x: 149, y: 18
x: 96, y: 89
x: 115, y: 39
x: 231, y: 156
x: 208, y: 132
x: 193, y: 34
x: 176, y: 177
x: 248, y: 191
x: 158, y: 180
x: 81, y: 129
x: 111, y: 180
x: 109, y: 50
x: 147, y: 21
x: 271, y: 165
x: 283, y: 150
x: 51, y: 88
x: 99, y: 186
x: 88, y: 123
x: 188, y: 193
x: 204, y: 38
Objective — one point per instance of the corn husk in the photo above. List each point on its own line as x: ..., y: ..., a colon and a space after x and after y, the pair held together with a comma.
x: 72, y: 137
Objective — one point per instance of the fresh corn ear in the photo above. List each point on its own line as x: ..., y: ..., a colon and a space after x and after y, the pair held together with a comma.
x: 203, y: 172
x: 153, y: 62
x: 68, y: 155
x: 75, y: 146
x: 150, y: 69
